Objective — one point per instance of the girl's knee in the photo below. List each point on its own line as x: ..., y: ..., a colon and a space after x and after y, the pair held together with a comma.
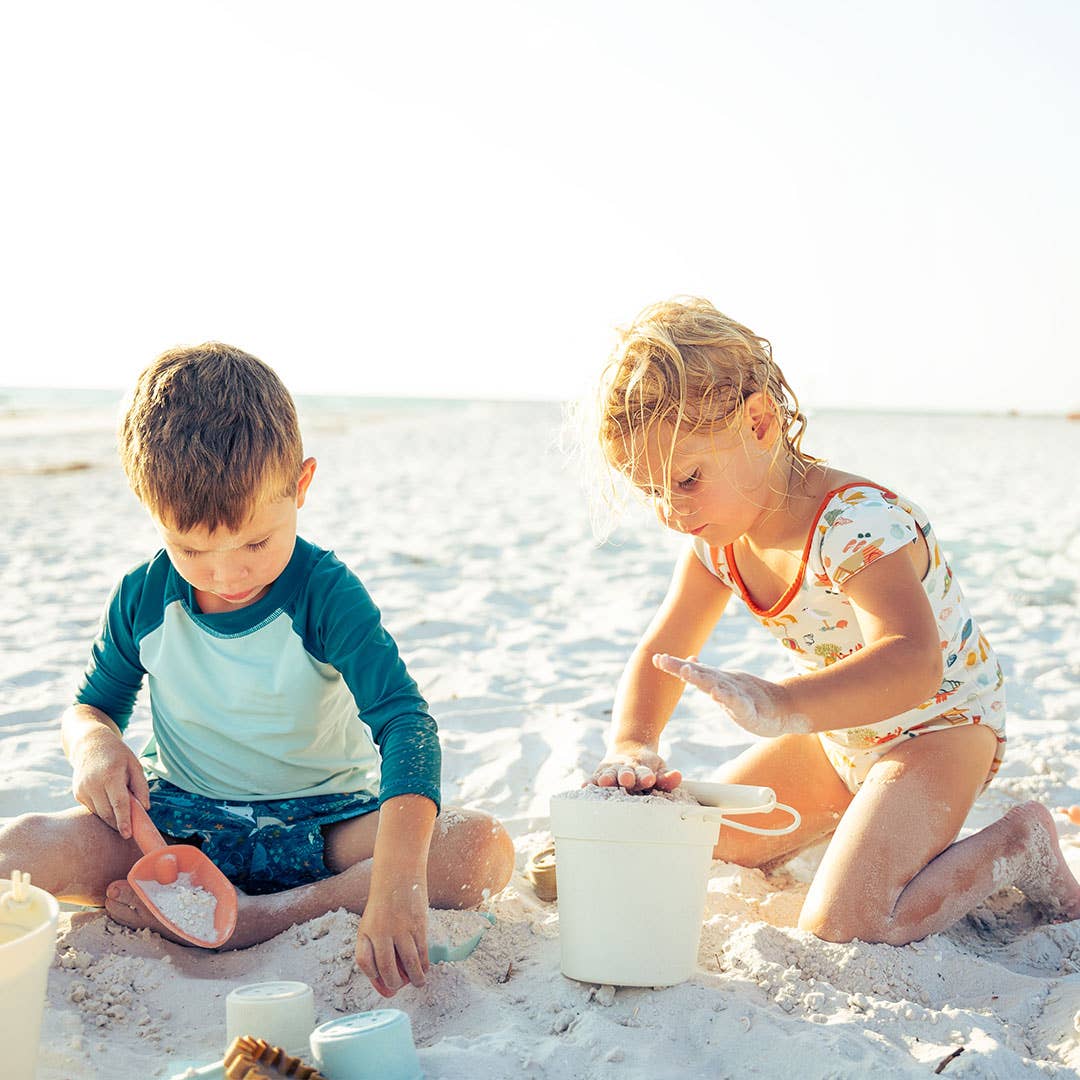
x: 842, y: 923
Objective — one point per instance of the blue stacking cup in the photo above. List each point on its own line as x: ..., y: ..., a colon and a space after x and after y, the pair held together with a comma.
x: 373, y: 1045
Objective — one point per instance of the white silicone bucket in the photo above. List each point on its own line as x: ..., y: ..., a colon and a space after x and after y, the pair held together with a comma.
x: 281, y: 1012
x: 27, y: 946
x: 632, y: 878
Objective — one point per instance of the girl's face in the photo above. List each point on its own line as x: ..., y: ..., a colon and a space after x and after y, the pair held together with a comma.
x: 231, y: 570
x: 722, y: 482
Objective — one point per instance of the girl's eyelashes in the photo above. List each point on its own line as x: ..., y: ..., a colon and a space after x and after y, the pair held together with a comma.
x: 690, y: 481
x: 259, y: 545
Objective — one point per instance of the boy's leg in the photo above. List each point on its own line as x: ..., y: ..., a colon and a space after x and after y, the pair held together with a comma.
x: 470, y: 856
x: 800, y: 774
x: 892, y: 872
x: 72, y: 854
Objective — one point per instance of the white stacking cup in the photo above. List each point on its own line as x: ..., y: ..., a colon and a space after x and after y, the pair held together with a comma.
x: 282, y: 1013
x: 373, y: 1045
x: 28, y: 919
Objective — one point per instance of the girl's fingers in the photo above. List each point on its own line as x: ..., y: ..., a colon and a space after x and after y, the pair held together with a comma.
x: 669, y: 781
x: 605, y: 777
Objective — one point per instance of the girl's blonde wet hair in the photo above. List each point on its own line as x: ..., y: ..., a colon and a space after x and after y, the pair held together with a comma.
x: 685, y: 365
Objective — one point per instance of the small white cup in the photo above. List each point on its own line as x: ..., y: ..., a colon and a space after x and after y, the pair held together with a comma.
x: 282, y: 1013
x: 28, y: 919
x: 374, y: 1045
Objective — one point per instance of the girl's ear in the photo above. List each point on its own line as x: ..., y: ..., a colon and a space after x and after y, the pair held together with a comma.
x: 307, y: 471
x: 760, y: 418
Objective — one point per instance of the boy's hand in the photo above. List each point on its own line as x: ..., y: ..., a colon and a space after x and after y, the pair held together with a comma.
x: 754, y: 704
x: 106, y: 775
x: 636, y: 769
x: 391, y: 943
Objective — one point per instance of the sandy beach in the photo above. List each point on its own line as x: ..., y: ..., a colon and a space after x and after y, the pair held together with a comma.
x: 473, y: 536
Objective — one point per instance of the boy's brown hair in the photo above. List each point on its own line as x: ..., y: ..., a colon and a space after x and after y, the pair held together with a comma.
x: 210, y: 431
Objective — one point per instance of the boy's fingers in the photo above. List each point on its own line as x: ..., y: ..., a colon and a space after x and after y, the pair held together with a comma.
x: 120, y: 802
x: 409, y: 963
x: 138, y: 784
x: 365, y: 958
x: 387, y: 961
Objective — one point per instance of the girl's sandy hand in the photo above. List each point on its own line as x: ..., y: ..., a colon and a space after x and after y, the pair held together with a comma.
x: 106, y: 776
x: 754, y: 704
x: 636, y: 769
x: 391, y: 942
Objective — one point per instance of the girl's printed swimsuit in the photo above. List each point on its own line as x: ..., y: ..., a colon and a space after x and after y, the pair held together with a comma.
x: 855, y: 525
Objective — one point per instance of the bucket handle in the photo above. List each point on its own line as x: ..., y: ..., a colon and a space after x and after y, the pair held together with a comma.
x: 19, y: 893
x: 796, y: 821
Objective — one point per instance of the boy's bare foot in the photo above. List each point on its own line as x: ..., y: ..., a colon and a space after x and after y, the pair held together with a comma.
x: 1043, y: 876
x: 126, y: 907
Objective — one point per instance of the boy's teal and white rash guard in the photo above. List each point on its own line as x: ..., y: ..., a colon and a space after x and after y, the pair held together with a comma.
x: 265, y: 702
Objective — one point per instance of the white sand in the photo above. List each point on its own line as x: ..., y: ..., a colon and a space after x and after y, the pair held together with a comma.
x: 189, y: 907
x: 475, y: 544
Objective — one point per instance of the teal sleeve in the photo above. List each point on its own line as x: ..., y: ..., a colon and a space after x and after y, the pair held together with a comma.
x: 343, y: 627
x: 114, y: 674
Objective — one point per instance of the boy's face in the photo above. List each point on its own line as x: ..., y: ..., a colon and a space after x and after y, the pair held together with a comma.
x: 230, y: 570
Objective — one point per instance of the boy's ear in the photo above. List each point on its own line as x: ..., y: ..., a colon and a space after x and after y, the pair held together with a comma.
x: 760, y: 417
x: 307, y: 471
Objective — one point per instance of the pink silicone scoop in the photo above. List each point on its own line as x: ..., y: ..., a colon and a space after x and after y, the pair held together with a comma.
x: 163, y: 863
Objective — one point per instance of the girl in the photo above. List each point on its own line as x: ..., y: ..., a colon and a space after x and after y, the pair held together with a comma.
x: 896, y: 721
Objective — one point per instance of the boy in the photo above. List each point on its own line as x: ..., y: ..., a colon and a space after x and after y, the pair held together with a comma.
x: 268, y: 669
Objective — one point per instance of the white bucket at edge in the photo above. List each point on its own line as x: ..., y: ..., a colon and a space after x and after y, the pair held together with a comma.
x: 27, y: 946
x: 632, y: 877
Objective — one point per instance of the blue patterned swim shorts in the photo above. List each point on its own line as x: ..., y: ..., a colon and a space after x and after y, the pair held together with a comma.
x: 261, y: 847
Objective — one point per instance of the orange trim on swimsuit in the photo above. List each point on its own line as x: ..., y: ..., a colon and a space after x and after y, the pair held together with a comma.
x: 793, y: 588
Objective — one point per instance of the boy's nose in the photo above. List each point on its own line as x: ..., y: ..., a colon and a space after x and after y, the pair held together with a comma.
x: 227, y: 573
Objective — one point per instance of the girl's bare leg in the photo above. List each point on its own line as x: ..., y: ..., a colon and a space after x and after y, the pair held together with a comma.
x: 72, y: 854
x: 471, y: 856
x: 796, y: 768
x: 892, y: 872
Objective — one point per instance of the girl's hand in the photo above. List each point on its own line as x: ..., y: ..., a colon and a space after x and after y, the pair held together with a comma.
x: 754, y: 704
x: 636, y: 769
x: 106, y: 776
x: 391, y: 942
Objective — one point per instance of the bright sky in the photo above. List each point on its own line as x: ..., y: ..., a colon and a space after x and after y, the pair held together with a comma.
x: 463, y: 199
